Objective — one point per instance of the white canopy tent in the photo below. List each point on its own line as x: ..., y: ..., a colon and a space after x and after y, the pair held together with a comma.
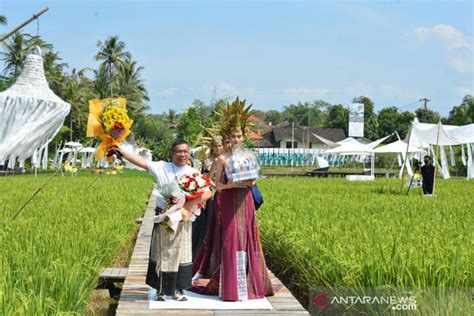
x: 325, y: 141
x: 426, y: 136
x: 351, y: 146
x: 30, y: 113
x: 400, y: 147
x: 348, y: 140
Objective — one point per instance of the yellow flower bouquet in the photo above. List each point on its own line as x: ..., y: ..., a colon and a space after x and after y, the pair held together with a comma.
x: 109, y: 120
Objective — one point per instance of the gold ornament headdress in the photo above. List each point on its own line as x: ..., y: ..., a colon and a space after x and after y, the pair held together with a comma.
x: 235, y: 117
x: 211, y: 139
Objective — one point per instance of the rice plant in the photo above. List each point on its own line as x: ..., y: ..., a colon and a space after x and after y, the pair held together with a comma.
x: 52, y: 253
x: 332, y: 232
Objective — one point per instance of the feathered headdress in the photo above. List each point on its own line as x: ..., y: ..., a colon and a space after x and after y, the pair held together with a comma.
x: 211, y: 139
x: 235, y: 117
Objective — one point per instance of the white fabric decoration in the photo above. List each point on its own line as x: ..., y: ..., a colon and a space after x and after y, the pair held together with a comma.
x: 30, y: 113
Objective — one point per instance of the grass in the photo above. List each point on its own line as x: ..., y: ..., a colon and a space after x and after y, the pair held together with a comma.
x: 331, y: 232
x: 316, y: 232
x: 52, y: 253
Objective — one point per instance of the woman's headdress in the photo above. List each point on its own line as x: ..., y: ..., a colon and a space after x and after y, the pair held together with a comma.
x: 235, y: 117
x: 212, y: 137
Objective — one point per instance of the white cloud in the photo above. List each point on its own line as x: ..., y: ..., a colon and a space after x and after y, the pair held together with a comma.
x: 459, y: 45
x: 167, y: 92
x: 305, y: 93
x: 463, y: 64
x: 391, y: 91
x: 379, y: 91
x: 451, y: 36
x: 220, y: 89
x: 358, y: 88
x: 464, y: 90
x: 226, y: 90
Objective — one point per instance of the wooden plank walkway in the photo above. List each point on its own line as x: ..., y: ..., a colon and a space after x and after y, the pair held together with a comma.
x: 108, y: 277
x: 134, y: 296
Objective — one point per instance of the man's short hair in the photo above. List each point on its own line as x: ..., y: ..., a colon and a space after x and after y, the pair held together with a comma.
x: 177, y: 143
x: 427, y: 157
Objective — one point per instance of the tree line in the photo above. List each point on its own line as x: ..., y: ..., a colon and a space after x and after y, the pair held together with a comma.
x: 118, y: 74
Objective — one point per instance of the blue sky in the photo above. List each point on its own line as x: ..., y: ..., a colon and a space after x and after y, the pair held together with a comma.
x: 273, y: 53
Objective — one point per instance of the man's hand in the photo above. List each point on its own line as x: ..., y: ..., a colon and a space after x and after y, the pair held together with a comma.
x: 135, y: 159
x: 114, y: 151
x: 173, y: 200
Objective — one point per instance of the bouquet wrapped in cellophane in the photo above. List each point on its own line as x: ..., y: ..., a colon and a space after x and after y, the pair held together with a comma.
x: 109, y: 120
x: 176, y: 194
x: 242, y: 165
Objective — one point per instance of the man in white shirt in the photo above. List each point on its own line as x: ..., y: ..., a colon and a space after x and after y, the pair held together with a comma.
x: 170, y: 263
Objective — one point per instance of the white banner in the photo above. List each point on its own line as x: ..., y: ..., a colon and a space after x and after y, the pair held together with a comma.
x: 356, y: 120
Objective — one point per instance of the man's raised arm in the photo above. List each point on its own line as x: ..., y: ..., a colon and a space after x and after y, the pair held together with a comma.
x: 135, y: 159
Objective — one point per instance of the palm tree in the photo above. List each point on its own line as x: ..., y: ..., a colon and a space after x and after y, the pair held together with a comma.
x: 112, y: 53
x: 36, y: 41
x: 14, y: 54
x: 3, y: 20
x: 16, y: 49
x: 54, y: 71
x: 130, y: 85
x: 100, y: 85
x: 77, y: 92
x: 172, y: 118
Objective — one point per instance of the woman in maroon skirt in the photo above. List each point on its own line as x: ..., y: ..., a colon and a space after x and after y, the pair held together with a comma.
x: 232, y: 255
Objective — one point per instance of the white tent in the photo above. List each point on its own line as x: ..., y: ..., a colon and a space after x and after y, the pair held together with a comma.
x: 424, y: 134
x: 325, y: 141
x: 350, y: 146
x: 348, y: 140
x: 30, y: 113
x: 398, y: 146
x: 428, y: 135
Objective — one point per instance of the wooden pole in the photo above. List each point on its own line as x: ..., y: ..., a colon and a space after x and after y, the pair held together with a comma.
x: 436, y: 158
x: 292, y: 145
x: 45, y: 183
x: 406, y: 155
x: 35, y: 16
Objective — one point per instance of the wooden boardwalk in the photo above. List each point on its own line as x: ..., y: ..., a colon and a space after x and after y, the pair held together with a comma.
x: 134, y: 296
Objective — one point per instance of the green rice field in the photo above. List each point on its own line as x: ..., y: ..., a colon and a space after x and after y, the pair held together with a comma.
x: 332, y: 232
x: 52, y: 253
x: 316, y: 232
